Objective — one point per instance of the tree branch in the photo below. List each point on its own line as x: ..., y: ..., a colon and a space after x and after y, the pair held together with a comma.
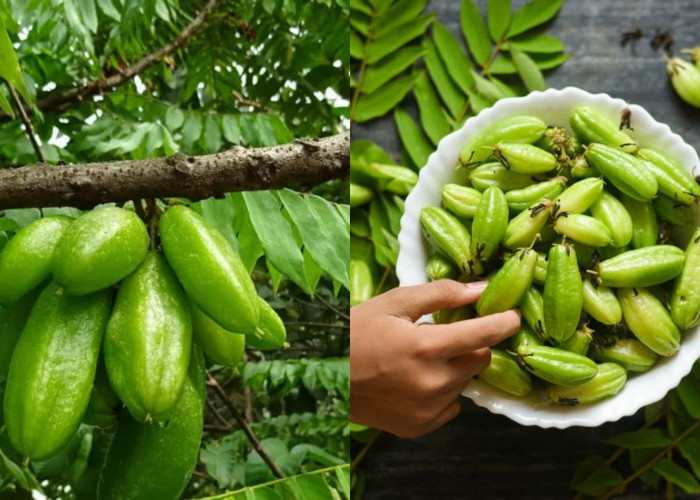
x: 211, y: 381
x: 27, y: 123
x: 296, y: 165
x: 62, y: 100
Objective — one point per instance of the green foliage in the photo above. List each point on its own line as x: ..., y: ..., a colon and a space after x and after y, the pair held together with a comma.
x: 666, y: 447
x: 255, y: 74
x: 328, y: 483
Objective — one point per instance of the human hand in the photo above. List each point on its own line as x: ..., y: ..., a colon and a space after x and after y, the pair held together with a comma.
x: 406, y: 378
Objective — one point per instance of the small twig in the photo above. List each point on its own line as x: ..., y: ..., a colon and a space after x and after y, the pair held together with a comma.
x: 332, y: 307
x: 138, y: 207
x: 240, y: 99
x: 254, y: 441
x: 382, y: 281
x: 27, y: 123
x: 217, y: 428
x: 218, y: 414
x: 358, y: 458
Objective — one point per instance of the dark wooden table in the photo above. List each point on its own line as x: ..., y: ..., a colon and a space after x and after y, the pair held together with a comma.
x: 485, y: 456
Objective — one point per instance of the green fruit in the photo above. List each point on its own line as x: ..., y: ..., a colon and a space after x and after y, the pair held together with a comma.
x: 270, y: 333
x: 524, y: 158
x: 209, y: 269
x: 12, y: 321
x: 504, y: 373
x: 563, y: 293
x: 601, y: 303
x: 437, y: 268
x: 607, y: 382
x: 104, y: 405
x: 615, y: 216
x: 489, y: 225
x: 583, y: 229
x: 524, y: 337
x: 495, y: 174
x: 591, y: 126
x: 631, y: 354
x: 460, y: 200
x: 580, y: 341
x: 219, y: 345
x: 99, y: 249
x: 450, y: 237
x: 52, y: 370
x: 556, y: 366
x: 642, y: 267
x: 517, y: 129
x: 155, y: 461
x: 148, y: 340
x: 649, y: 320
x: 508, y: 287
x: 644, y: 224
x: 627, y: 173
x: 685, y: 300
x: 26, y: 260
x: 359, y: 195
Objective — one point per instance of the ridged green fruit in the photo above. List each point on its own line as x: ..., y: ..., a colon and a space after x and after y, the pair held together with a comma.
x: 607, y: 382
x: 52, y: 370
x: 209, y: 269
x: 219, y: 345
x: 99, y: 249
x: 504, y: 373
x: 148, y: 341
x: 270, y: 333
x: 26, y: 260
x: 563, y: 293
x: 154, y: 461
x: 12, y: 321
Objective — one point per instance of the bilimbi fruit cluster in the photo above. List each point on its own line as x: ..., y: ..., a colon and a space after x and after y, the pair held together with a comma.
x: 575, y: 230
x: 97, y: 316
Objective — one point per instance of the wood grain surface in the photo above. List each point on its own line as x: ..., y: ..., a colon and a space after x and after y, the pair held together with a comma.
x: 485, y: 456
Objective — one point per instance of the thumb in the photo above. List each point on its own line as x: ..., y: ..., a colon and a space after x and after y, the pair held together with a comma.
x: 412, y: 302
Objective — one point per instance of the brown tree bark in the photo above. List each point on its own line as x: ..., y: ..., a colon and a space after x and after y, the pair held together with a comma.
x: 299, y: 165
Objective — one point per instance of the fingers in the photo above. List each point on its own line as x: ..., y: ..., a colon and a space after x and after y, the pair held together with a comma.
x: 448, y: 413
x: 470, y: 364
x: 455, y: 339
x: 412, y: 302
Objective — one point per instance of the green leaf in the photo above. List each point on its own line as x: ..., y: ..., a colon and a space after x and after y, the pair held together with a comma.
x: 539, y: 43
x: 343, y: 478
x: 474, y: 31
x: 502, y: 65
x: 676, y: 474
x: 498, y: 17
x: 389, y: 43
x: 533, y: 14
x: 600, y: 481
x: 528, y: 71
x: 360, y: 6
x: 219, y: 213
x: 88, y: 12
x: 639, y: 458
x: 379, y: 74
x: 357, y: 46
x: 487, y: 89
x: 267, y: 133
x: 109, y: 9
x: 587, y: 467
x: 386, y: 98
x: 231, y: 131
x: 276, y: 236
x: 9, y: 69
x: 689, y: 392
x: 549, y: 61
x: 5, y: 105
x: 312, y: 271
x: 644, y: 438
x: 174, y: 118
x: 506, y: 89
x: 323, y: 232
x: 191, y: 130
x: 413, y: 139
x: 456, y: 61
x: 431, y: 118
x: 403, y: 11
x: 690, y: 449
x: 449, y: 92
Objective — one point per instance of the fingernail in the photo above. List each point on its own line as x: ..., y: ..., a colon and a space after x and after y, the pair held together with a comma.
x: 477, y: 285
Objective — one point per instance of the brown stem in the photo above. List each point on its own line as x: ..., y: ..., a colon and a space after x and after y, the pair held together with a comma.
x: 62, y: 100
x: 138, y: 208
x: 218, y: 415
x: 240, y: 99
x: 27, y: 123
x: 194, y: 177
x: 254, y: 441
x: 332, y: 308
x: 358, y: 458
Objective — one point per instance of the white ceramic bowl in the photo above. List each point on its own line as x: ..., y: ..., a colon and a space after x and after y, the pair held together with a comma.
x: 553, y: 106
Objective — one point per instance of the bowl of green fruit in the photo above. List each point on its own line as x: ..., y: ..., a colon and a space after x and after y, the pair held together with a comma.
x: 582, y: 212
